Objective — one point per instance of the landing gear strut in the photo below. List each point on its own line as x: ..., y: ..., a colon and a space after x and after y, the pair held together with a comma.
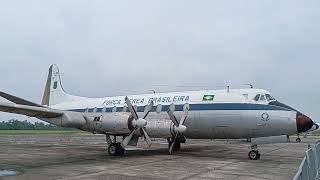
x: 176, y: 146
x: 254, y: 154
x: 114, y: 148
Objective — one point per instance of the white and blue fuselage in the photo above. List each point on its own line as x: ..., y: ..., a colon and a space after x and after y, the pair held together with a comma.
x: 235, y: 113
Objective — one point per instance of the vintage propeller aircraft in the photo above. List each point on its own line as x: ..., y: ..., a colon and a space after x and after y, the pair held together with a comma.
x: 207, y: 114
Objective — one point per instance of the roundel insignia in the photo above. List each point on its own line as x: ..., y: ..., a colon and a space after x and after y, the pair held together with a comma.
x: 265, y: 117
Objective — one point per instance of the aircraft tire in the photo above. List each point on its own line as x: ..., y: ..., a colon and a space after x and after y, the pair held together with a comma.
x: 120, y: 149
x: 115, y: 149
x: 254, y: 155
x: 112, y: 149
x: 298, y: 140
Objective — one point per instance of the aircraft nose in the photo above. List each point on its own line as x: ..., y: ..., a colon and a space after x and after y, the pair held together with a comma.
x: 304, y: 123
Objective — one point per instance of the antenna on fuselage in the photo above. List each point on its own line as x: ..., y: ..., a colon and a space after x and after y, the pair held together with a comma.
x: 251, y: 86
x: 153, y: 91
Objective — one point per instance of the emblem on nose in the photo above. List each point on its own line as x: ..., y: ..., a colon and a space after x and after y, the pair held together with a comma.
x: 304, y: 123
x: 265, y: 117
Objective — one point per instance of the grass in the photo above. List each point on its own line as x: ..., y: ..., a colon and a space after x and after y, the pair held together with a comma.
x: 315, y: 133
x: 39, y: 132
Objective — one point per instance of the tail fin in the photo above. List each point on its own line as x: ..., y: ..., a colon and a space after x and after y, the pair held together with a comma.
x: 54, y: 93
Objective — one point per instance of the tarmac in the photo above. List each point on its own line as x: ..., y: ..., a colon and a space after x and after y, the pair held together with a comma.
x: 84, y: 157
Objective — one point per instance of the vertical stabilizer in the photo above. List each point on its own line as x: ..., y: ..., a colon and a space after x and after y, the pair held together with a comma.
x: 54, y: 93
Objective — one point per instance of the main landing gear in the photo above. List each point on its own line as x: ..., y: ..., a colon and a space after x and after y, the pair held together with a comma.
x: 254, y: 154
x: 176, y: 145
x: 114, y: 148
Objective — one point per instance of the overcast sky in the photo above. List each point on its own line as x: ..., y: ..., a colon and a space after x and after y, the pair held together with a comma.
x: 118, y: 47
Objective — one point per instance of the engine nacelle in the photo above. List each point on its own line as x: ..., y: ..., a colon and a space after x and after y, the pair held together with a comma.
x: 114, y: 123
x: 122, y: 124
x: 161, y: 128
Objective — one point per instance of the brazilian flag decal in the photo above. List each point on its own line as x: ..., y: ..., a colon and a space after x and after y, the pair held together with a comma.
x: 208, y: 98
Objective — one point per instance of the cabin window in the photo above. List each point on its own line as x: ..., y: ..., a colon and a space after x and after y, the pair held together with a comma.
x: 159, y: 108
x: 114, y: 109
x: 186, y: 107
x: 257, y: 97
x: 125, y: 109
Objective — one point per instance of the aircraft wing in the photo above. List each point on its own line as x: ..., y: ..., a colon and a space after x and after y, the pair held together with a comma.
x: 31, y: 111
x: 18, y: 100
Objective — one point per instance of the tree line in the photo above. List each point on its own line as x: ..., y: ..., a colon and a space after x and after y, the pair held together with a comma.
x: 15, y: 124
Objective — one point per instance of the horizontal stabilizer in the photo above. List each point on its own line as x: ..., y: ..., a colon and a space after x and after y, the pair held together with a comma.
x: 31, y: 111
x: 18, y: 100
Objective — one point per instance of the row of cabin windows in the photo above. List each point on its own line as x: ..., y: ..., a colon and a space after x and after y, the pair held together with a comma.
x: 125, y: 109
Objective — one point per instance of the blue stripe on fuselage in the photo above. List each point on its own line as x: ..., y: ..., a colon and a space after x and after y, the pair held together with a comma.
x: 203, y: 107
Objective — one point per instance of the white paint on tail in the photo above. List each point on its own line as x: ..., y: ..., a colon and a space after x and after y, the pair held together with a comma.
x: 54, y: 92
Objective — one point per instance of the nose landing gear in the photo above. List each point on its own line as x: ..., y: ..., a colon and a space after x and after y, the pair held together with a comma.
x: 298, y: 140
x: 254, y: 154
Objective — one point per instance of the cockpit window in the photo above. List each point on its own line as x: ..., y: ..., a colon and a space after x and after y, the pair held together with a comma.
x: 257, y: 97
x: 262, y: 98
x: 269, y: 97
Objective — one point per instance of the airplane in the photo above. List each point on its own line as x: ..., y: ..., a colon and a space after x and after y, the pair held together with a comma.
x: 176, y: 116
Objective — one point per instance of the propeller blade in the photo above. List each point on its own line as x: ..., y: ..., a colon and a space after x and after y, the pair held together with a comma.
x: 126, y: 141
x: 147, y: 110
x: 172, y: 117
x: 146, y: 136
x: 183, y: 119
x: 131, y: 108
x: 174, y: 141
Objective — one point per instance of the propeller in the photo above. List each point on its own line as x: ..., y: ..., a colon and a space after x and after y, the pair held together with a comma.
x: 180, y: 128
x: 138, y: 123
